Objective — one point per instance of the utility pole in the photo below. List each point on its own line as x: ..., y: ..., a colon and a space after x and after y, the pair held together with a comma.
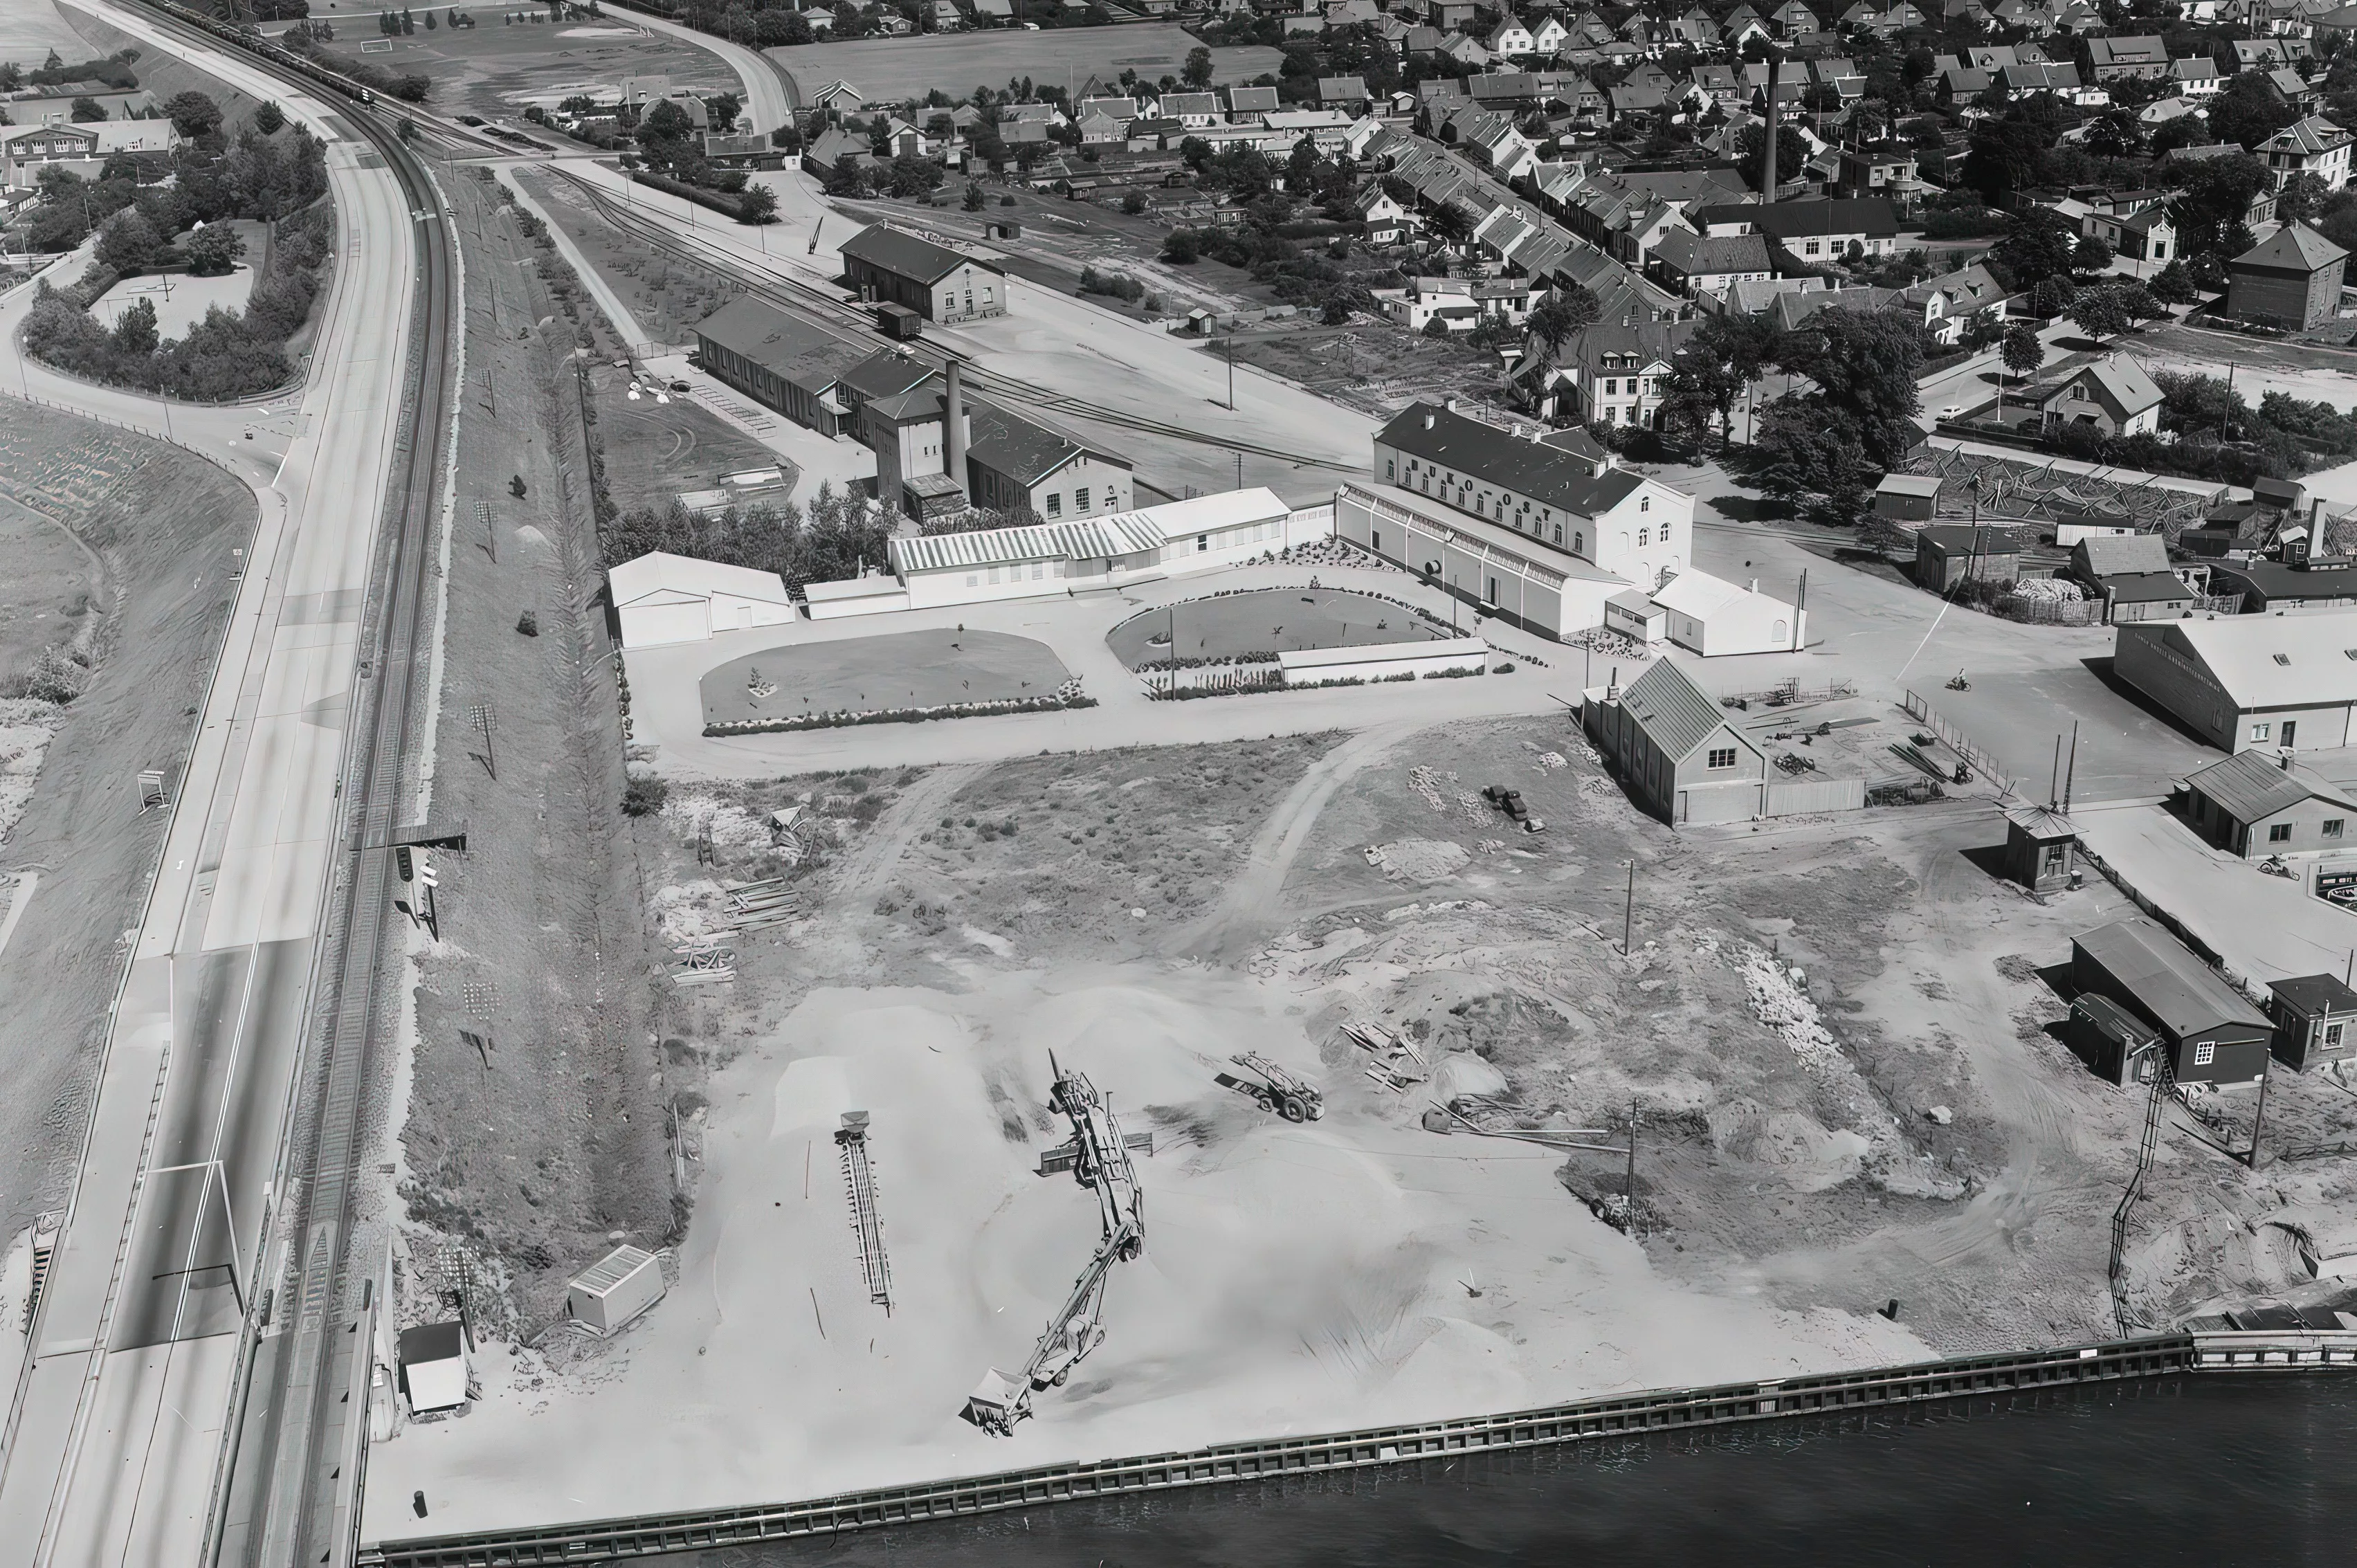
x: 1630, y: 1186
x: 2259, y: 1117
x: 1629, y: 912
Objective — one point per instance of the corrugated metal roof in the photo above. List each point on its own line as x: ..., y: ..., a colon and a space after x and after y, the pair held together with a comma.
x: 1676, y: 714
x: 612, y: 1268
x: 2170, y: 985
x: 2271, y: 661
x: 2252, y: 785
x: 1095, y: 538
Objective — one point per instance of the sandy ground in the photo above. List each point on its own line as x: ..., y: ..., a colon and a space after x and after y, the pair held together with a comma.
x: 1832, y: 1032
x: 152, y: 531
x: 891, y: 70
x: 181, y: 300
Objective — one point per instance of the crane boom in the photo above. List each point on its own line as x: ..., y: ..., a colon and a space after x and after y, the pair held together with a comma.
x: 1098, y: 1156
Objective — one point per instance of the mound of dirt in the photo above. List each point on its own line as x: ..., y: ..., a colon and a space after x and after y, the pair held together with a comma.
x: 1421, y: 860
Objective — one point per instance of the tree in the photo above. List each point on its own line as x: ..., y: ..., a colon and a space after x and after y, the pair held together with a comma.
x: 268, y: 118
x: 1864, y: 365
x: 723, y: 108
x: 2091, y: 255
x: 1790, y: 155
x: 2038, y: 245
x: 2302, y: 198
x: 757, y: 204
x: 134, y: 329
x: 2021, y: 351
x: 2116, y: 135
x: 87, y: 110
x: 2248, y: 111
x: 192, y: 114
x: 128, y: 241
x: 213, y: 251
x: 2100, y: 313
x: 2174, y: 285
x: 1808, y: 455
x: 1196, y: 72
x: 1570, y: 308
x: 1182, y: 247
x: 1448, y: 225
x: 1133, y: 202
x: 2214, y: 199
x: 1725, y: 355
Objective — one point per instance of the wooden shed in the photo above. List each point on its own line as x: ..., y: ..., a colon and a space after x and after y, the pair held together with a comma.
x: 2210, y: 1033
x: 615, y: 1290
x: 2316, y: 1020
x: 2042, y: 848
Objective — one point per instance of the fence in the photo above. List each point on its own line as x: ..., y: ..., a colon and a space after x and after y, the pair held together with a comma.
x: 1814, y: 795
x: 1981, y: 761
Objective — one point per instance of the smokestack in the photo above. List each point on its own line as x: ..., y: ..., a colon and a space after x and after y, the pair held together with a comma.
x: 1801, y: 611
x: 953, y: 430
x: 1767, y: 168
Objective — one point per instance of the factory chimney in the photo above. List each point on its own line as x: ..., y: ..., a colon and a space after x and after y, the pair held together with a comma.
x: 954, y: 429
x: 1767, y: 147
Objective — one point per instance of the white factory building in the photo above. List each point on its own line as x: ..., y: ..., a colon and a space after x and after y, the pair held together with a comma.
x: 1712, y: 616
x: 663, y: 598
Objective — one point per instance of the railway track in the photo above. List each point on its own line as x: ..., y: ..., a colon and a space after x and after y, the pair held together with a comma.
x: 809, y: 299
x: 288, y: 1486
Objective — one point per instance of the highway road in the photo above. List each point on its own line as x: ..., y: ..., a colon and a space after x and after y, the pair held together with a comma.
x: 114, y: 1445
x: 768, y: 101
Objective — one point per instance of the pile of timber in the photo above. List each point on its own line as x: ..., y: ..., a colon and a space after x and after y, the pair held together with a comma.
x: 760, y: 905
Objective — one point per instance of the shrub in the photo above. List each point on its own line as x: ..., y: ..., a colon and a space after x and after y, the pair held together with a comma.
x: 528, y: 623
x: 644, y: 796
x: 1117, y: 286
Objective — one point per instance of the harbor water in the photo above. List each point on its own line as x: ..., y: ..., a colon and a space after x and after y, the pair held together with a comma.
x: 2211, y: 1469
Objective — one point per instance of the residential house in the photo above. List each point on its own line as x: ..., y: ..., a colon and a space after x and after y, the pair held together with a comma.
x: 1791, y: 20
x: 2143, y: 57
x: 2061, y: 79
x: 1888, y: 171
x: 1348, y: 93
x: 1193, y: 110
x: 2257, y: 804
x: 2315, y: 1017
x: 2292, y: 279
x: 1954, y: 301
x: 2197, y: 76
x: 891, y: 265
x: 1247, y: 104
x: 2145, y: 236
x: 2278, y: 681
x: 2293, y: 89
x: 2308, y: 146
x: 1548, y: 38
x: 1384, y: 218
x: 2115, y: 394
x: 1692, y: 263
x: 1814, y: 230
x: 2271, y: 588
x: 1509, y: 39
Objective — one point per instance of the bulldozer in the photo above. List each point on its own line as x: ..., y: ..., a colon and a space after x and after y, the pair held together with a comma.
x: 1291, y: 1097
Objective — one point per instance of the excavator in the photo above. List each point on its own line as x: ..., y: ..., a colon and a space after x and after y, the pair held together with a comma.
x: 1098, y: 1156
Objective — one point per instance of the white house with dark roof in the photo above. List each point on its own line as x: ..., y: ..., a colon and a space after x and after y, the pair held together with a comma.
x: 2115, y: 395
x: 1694, y: 264
x: 2314, y: 145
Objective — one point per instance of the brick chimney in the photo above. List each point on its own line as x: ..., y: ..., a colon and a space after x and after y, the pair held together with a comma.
x: 954, y: 429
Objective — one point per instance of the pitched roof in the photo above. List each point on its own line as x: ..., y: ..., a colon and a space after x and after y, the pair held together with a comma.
x: 1692, y: 254
x: 2108, y: 554
x: 1083, y: 539
x: 1676, y: 714
x: 1251, y: 100
x: 1799, y: 219
x: 2176, y: 990
x: 2317, y: 992
x: 2145, y: 587
x: 676, y: 578
x: 1697, y: 594
x: 1023, y: 449
x: 2121, y: 383
x: 2295, y: 247
x: 777, y: 342
x: 898, y: 252
x: 1965, y: 539
x: 2253, y: 784
x: 2311, y: 136
x: 2272, y: 661
x: 1536, y: 468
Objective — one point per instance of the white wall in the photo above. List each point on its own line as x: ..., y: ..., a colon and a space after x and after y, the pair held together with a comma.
x: 895, y: 598
x: 436, y: 1385
x: 1383, y: 659
x: 977, y: 584
x: 734, y: 612
x: 1753, y: 624
x: 652, y: 626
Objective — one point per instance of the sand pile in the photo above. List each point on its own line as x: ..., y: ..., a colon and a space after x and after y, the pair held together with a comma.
x: 26, y: 727
x: 732, y: 826
x: 1421, y: 860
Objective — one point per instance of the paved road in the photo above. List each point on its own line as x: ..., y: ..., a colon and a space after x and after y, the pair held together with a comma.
x: 118, y: 1433
x: 768, y: 98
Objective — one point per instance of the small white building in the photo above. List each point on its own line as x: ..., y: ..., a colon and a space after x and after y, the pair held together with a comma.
x: 1712, y: 616
x: 434, y: 1366
x: 663, y: 598
x: 615, y: 1290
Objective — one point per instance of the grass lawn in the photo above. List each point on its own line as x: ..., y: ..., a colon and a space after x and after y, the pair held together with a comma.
x: 1271, y: 620
x: 869, y: 674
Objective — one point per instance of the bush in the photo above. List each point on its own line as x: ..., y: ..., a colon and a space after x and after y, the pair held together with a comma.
x: 528, y: 623
x: 1116, y: 286
x: 644, y: 796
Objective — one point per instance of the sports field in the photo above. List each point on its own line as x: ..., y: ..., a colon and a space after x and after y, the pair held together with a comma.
x: 869, y: 675
x: 1271, y: 620
x: 891, y: 70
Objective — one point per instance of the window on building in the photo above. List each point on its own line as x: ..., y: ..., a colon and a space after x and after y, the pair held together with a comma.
x: 1391, y: 468
x: 1202, y: 543
x: 973, y: 580
x: 1612, y: 388
x: 2205, y: 1053
x: 2261, y: 732
x: 1722, y: 757
x: 2332, y: 828
x: 1559, y: 533
x: 1644, y: 503
x: 1056, y: 505
x: 1081, y: 498
x: 2280, y: 832
x: 1640, y: 538
x: 2332, y: 1035
x: 1375, y: 540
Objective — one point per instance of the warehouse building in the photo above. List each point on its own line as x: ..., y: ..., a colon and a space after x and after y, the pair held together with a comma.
x: 794, y: 367
x: 1712, y: 616
x: 661, y: 599
x: 2208, y: 1032
x: 2275, y: 681
x: 2291, y: 279
x: 1950, y: 555
x: 1673, y: 748
x: 888, y: 265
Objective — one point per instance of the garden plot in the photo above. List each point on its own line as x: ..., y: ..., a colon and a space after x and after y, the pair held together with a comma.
x: 902, y: 671
x: 1265, y: 621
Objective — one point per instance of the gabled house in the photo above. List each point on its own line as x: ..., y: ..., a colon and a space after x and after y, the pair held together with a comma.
x: 1950, y: 303
x: 2292, y: 279
x: 1384, y: 218
x: 1509, y: 39
x: 2115, y: 58
x: 2314, y: 145
x: 2197, y: 76
x: 2115, y: 394
x: 1674, y: 749
x: 2253, y: 805
x: 1692, y: 264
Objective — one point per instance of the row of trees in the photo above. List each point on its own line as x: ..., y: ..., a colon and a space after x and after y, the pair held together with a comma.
x: 258, y: 176
x: 838, y: 536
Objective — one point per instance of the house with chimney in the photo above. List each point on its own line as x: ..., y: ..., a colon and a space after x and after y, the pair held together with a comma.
x: 937, y: 454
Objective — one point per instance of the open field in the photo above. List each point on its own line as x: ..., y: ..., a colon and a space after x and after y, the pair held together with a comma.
x: 900, y: 670
x: 666, y: 297
x: 1265, y: 620
x: 1833, y: 1034
x: 1373, y: 366
x: 128, y: 543
x: 497, y: 70
x: 656, y: 451
x: 893, y: 70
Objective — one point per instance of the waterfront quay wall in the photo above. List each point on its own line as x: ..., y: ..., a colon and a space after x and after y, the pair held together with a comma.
x: 1962, y: 1377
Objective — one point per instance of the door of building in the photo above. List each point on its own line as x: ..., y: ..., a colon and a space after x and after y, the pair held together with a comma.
x: 2290, y: 728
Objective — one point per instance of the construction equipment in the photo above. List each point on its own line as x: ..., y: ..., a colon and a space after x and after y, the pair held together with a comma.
x: 1098, y: 1157
x: 867, y: 1223
x: 1291, y: 1097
